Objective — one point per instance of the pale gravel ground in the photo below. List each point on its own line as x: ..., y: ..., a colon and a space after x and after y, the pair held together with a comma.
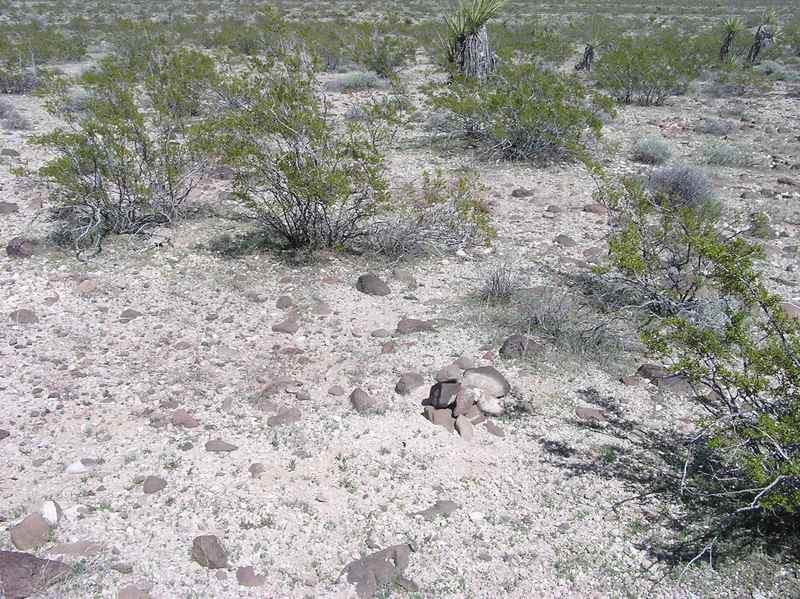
x: 336, y: 483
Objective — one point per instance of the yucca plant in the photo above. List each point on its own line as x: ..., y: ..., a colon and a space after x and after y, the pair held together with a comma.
x: 731, y: 27
x: 467, y: 42
x: 765, y: 35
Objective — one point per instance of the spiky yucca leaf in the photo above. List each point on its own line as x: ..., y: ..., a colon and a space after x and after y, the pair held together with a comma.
x: 467, y: 20
x: 733, y: 25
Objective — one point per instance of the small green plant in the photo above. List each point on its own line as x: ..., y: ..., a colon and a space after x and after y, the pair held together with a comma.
x: 652, y: 150
x: 731, y: 27
x: 466, y: 40
x: 500, y: 283
x: 525, y: 112
x: 380, y: 51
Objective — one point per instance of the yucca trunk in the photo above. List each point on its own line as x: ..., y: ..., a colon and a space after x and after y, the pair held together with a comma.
x: 474, y: 56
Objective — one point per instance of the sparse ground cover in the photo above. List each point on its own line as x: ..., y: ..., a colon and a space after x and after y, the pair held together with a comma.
x: 259, y: 243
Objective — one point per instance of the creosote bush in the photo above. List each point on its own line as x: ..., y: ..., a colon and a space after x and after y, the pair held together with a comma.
x: 525, y: 112
x: 302, y: 176
x: 119, y: 168
x: 724, y: 154
x: 500, y: 283
x: 742, y: 362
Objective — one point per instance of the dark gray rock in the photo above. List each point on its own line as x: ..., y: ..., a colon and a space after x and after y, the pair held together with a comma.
x: 209, y: 552
x: 380, y: 570
x: 24, y: 575
x: 372, y: 285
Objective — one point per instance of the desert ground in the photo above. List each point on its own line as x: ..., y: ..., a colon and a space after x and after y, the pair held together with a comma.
x: 175, y: 386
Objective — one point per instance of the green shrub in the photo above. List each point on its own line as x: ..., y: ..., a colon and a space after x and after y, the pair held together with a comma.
x: 652, y: 150
x: 742, y: 359
x: 681, y: 185
x: 646, y: 69
x: 302, y: 178
x: 723, y: 154
x: 524, y: 111
x: 719, y: 127
x: 356, y: 81
x: 381, y: 51
x: 118, y: 168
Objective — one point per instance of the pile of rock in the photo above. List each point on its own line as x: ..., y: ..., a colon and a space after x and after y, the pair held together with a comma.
x: 460, y: 401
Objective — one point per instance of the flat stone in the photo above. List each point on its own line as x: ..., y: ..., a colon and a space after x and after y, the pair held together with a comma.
x: 184, y: 419
x: 4, y: 434
x: 23, y: 316
x: 129, y: 314
x: 284, y: 302
x: 408, y: 383
x: 20, y: 247
x: 247, y: 577
x: 443, y: 507
x: 207, y: 551
x: 51, y: 512
x: 487, y: 378
x: 405, y: 276
x: 24, y: 575
x: 153, y: 484
x: 285, y: 416
x: 31, y: 533
x: 595, y: 209
x: 522, y: 192
x: 256, y: 469
x: 553, y: 209
x: 565, y: 241
x: 490, y: 406
x: 336, y: 391
x: 219, y: 446
x: 134, y: 591
x: 289, y: 326
x: 443, y: 418
x: 412, y: 325
x: 8, y: 208
x: 371, y: 284
x: 379, y: 333
x: 590, y: 414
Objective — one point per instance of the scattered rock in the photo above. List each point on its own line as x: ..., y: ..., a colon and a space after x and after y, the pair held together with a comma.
x: 362, y: 402
x: 20, y: 247
x: 246, y: 576
x: 517, y: 346
x: 134, y: 591
x: 336, y: 391
x: 129, y: 314
x: 284, y: 302
x: 493, y: 429
x: 208, y: 552
x: 553, y: 209
x: 219, y: 446
x: 4, y: 434
x: 590, y: 414
x: 791, y: 310
x: 31, y: 533
x: 565, y: 241
x: 288, y: 326
x: 442, y: 395
x: 184, y: 419
x: 23, y: 575
x: 488, y: 379
x: 78, y: 549
x: 787, y: 181
x: 153, y: 484
x: 465, y: 362
x: 76, y: 468
x: 87, y: 287
x: 464, y: 428
x: 285, y: 416
x: 23, y: 316
x: 408, y: 383
x: 595, y: 209
x: 380, y: 570
x: 522, y: 192
x: 372, y: 285
x: 652, y: 372
x: 411, y: 325
x: 256, y: 469
x: 8, y: 208
x: 379, y: 333
x: 443, y: 507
